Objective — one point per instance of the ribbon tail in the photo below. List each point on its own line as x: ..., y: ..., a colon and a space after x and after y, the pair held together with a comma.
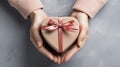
x: 60, y: 40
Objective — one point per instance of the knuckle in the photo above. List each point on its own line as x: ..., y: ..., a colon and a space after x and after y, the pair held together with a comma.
x: 81, y: 38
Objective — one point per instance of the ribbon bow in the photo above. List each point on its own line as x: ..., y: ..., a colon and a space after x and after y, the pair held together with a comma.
x: 53, y: 25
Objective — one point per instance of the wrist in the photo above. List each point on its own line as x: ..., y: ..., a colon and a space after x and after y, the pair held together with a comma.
x: 77, y: 13
x: 38, y: 12
x: 82, y: 14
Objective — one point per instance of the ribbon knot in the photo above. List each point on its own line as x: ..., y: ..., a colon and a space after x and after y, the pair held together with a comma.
x: 53, y: 25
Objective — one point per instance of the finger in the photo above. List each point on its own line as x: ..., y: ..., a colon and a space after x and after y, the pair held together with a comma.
x: 58, y: 59
x: 36, y: 36
x: 55, y: 59
x: 69, y: 54
x: 73, y: 51
x: 83, y: 43
x: 46, y: 53
x: 83, y: 20
x: 62, y: 58
x: 82, y: 35
x: 31, y: 38
x: 37, y: 42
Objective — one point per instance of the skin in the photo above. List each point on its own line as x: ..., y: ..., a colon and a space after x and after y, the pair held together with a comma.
x: 83, y: 35
x: 38, y: 16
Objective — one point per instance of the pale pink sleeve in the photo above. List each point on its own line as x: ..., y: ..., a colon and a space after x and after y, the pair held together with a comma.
x: 90, y: 7
x: 25, y: 7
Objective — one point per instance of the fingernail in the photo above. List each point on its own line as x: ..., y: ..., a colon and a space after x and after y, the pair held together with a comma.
x: 78, y: 45
x: 52, y: 58
x: 39, y: 44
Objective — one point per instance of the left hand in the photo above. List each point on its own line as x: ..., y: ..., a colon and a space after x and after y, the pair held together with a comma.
x: 37, y: 18
x: 83, y: 35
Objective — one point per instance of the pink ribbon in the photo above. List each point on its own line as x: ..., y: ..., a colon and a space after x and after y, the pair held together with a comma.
x: 53, y: 25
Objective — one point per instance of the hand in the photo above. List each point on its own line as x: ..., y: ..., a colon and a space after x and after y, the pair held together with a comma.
x: 37, y: 17
x: 83, y: 35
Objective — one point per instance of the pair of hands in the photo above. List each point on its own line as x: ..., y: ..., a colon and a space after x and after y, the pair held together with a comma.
x: 38, y: 16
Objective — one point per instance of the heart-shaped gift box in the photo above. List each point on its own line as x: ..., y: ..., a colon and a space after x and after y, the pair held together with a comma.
x: 60, y: 32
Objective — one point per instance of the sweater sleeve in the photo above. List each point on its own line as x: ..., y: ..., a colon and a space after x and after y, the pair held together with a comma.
x: 25, y: 7
x: 90, y: 7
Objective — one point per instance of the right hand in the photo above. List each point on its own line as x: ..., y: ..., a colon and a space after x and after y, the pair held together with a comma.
x: 37, y: 17
x: 83, y: 35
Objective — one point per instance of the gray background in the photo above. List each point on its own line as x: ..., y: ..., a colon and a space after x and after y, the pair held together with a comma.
x: 102, y: 48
